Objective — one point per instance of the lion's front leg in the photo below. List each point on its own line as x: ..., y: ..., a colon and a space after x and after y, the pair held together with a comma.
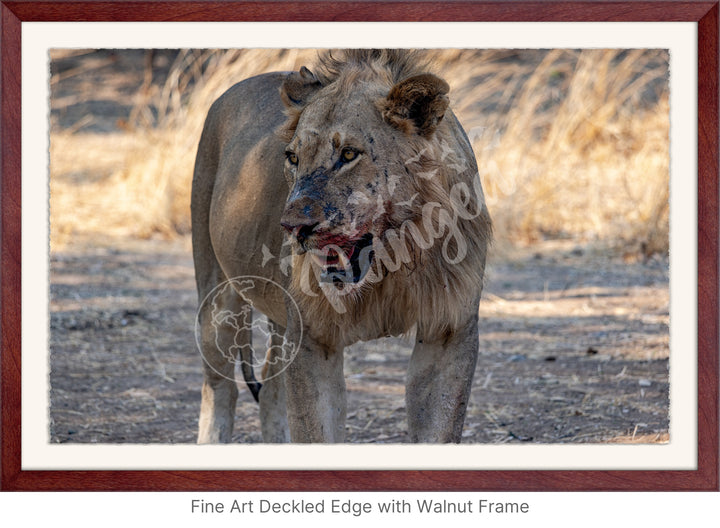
x: 316, y: 401
x: 219, y: 390
x: 273, y: 413
x: 438, y: 384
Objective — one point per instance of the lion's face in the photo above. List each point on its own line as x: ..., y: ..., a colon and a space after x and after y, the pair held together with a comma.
x: 340, y: 176
x: 349, y: 182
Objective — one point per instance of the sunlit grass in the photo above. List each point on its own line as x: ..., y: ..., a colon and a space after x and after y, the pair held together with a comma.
x: 569, y: 143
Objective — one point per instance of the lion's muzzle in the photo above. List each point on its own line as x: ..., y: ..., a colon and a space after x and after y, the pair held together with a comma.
x: 300, y: 233
x: 340, y: 257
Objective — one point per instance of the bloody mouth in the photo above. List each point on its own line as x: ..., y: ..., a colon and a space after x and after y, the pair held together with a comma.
x: 343, y: 260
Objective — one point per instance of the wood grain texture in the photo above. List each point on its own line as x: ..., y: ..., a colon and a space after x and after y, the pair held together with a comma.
x: 708, y: 238
x: 705, y: 478
x: 366, y: 11
x: 359, y: 481
x: 10, y: 235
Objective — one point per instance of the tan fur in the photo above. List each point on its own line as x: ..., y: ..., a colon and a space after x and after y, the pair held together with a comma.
x: 411, y: 186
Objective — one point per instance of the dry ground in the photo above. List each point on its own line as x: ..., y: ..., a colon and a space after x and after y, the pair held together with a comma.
x: 574, y: 338
x: 574, y: 348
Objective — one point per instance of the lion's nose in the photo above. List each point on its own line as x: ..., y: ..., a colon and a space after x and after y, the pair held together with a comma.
x: 300, y: 231
x: 300, y: 217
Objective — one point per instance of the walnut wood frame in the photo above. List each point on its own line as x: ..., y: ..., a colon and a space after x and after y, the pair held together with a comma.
x: 704, y: 13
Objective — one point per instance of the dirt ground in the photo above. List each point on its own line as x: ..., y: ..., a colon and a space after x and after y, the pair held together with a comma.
x: 574, y: 339
x: 573, y: 348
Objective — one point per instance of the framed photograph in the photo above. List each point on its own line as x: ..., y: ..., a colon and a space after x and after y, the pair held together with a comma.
x: 595, y: 133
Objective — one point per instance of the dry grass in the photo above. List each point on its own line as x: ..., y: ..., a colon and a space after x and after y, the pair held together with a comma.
x: 569, y: 143
x: 659, y: 438
x: 579, y: 153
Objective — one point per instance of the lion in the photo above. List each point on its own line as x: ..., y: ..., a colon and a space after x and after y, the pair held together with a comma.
x: 354, y: 189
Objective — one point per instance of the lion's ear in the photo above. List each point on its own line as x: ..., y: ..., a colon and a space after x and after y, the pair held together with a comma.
x: 298, y: 88
x: 416, y: 105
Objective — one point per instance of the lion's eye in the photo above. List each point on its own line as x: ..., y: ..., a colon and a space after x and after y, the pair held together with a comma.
x: 348, y: 154
x: 292, y: 158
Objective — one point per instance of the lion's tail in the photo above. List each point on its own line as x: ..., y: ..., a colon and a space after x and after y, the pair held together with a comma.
x: 248, y: 373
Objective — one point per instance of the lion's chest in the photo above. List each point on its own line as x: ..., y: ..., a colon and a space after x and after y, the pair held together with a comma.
x: 374, y: 317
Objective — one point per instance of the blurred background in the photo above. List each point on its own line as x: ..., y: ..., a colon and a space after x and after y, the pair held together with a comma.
x: 573, y: 152
x: 570, y: 143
